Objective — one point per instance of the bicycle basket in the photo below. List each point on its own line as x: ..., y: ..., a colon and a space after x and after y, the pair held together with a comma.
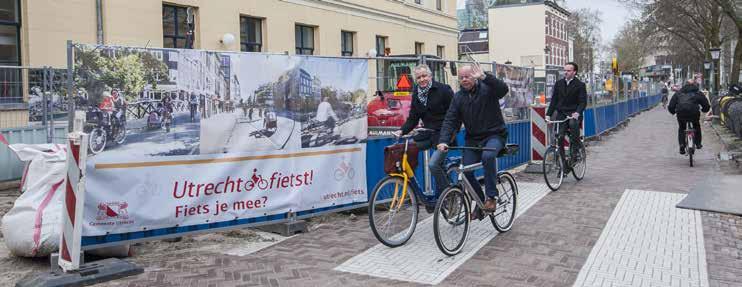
x: 393, y: 157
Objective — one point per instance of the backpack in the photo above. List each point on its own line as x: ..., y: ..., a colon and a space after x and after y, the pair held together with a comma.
x: 686, y: 104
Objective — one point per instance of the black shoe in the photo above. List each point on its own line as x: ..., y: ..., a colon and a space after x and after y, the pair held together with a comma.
x: 682, y: 150
x: 477, y: 214
x: 699, y: 146
x: 430, y: 209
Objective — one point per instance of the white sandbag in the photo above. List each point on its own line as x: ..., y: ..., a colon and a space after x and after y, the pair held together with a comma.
x: 32, y: 227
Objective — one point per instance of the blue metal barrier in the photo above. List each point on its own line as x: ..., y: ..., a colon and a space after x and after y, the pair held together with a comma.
x: 602, y: 118
x: 10, y: 167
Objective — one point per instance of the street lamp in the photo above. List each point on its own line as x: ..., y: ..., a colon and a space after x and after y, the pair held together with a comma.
x: 715, y: 53
x: 707, y: 67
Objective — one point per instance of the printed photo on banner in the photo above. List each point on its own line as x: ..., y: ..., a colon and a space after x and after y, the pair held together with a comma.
x: 522, y: 91
x: 335, y: 111
x: 144, y: 102
x: 289, y: 103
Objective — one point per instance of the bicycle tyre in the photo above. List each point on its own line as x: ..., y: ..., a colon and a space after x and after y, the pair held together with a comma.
x: 509, y: 195
x: 690, y: 156
x: 578, y: 171
x: 377, y: 205
x: 552, y: 165
x: 691, y: 149
x: 456, y: 194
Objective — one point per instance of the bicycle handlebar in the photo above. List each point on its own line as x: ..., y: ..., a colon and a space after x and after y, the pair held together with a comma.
x: 564, y: 120
x: 414, y: 133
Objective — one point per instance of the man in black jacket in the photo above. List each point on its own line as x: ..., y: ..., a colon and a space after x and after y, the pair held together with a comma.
x: 685, y: 104
x: 477, y: 106
x: 430, y: 101
x: 568, y: 99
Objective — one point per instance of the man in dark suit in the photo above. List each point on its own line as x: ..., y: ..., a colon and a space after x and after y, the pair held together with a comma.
x: 569, y: 99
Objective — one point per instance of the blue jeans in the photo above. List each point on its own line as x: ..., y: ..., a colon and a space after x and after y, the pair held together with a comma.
x: 435, y: 164
x: 489, y: 164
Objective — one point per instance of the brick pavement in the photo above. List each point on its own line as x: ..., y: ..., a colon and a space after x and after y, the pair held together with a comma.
x: 548, y: 246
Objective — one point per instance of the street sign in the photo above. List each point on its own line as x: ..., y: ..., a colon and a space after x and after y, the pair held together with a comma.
x: 404, y: 83
x: 401, y: 94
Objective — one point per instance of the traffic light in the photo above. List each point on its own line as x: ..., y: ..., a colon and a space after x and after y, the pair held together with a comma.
x: 614, y: 65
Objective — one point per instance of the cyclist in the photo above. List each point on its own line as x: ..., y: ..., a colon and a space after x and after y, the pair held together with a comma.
x: 569, y: 99
x: 684, y: 104
x: 430, y: 102
x: 477, y: 106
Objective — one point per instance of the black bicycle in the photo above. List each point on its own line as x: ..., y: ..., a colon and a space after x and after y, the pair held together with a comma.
x: 553, y: 165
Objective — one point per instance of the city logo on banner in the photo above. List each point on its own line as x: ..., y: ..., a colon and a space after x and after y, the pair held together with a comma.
x: 113, y: 213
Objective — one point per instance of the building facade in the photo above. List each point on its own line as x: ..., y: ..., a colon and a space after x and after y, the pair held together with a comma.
x: 40, y: 29
x: 516, y: 37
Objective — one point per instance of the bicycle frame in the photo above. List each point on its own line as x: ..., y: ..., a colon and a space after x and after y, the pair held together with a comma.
x: 690, y: 134
x: 407, y: 174
x: 469, y: 188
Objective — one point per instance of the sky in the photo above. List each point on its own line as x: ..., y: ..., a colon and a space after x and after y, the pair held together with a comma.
x: 614, y: 14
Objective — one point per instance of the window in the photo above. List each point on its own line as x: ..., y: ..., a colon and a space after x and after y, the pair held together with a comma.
x: 251, y: 34
x: 304, y: 40
x: 10, y: 53
x: 439, y: 5
x: 10, y: 33
x: 418, y: 2
x: 177, y: 29
x: 419, y: 48
x: 346, y: 43
x: 439, y: 50
x: 380, y: 45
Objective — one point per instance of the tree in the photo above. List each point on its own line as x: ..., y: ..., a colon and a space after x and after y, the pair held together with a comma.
x: 629, y: 47
x: 733, y: 10
x: 699, y: 24
x: 586, y: 31
x: 129, y: 70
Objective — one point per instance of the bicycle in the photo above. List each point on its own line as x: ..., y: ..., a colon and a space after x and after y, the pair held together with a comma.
x: 454, y: 205
x: 690, y: 146
x: 553, y: 165
x: 391, y: 199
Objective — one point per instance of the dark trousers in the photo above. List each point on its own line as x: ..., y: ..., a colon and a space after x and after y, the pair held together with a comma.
x: 573, y: 126
x: 695, y: 123
x: 489, y: 164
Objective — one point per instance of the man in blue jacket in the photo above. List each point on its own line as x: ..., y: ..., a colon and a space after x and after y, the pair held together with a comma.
x: 477, y: 106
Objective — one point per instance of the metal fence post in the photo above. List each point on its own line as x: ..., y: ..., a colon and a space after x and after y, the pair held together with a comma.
x: 70, y: 94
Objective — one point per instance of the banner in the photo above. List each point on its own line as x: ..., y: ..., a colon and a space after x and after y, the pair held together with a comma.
x: 522, y: 87
x: 188, y: 137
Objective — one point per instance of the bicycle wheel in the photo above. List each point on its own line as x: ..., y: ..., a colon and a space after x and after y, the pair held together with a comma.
x: 506, y: 205
x: 690, y: 156
x: 691, y: 149
x: 552, y: 168
x: 451, y: 220
x: 392, y: 218
x: 580, y: 165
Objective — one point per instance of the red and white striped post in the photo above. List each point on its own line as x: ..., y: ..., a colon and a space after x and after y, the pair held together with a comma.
x: 70, y: 245
x: 539, y: 133
x: 539, y: 141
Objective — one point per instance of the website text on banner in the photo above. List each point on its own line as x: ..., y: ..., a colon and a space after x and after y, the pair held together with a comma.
x: 188, y: 137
